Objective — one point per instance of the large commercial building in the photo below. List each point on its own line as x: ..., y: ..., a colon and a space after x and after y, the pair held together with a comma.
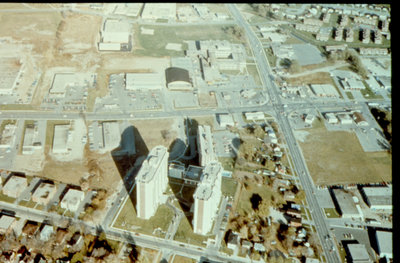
x: 153, y: 11
x: 115, y: 36
x: 346, y: 205
x: 325, y: 90
x: 205, y: 145
x: 225, y: 119
x: 151, y: 182
x: 385, y: 244
x: 62, y: 135
x: 207, y: 198
x: 178, y: 79
x: 31, y: 140
x: 359, y: 253
x: 64, y: 81
x: 144, y: 81
x: 378, y: 197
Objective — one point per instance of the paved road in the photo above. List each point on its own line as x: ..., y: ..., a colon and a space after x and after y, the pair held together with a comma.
x: 299, y: 163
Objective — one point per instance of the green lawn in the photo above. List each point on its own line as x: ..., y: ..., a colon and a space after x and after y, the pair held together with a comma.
x: 128, y: 219
x: 185, y: 234
x: 228, y: 186
x: 154, y: 45
x: 331, y: 213
x: 6, y: 198
x: 227, y: 163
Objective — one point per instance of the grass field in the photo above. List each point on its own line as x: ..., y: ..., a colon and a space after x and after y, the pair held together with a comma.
x: 349, y: 95
x: 128, y: 219
x: 185, y: 234
x: 227, y: 163
x: 253, y: 71
x: 331, y: 213
x: 228, y: 186
x: 154, y: 45
x: 338, y: 158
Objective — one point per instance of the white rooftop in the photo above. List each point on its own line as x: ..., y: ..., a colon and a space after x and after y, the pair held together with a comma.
x: 63, y: 80
x: 385, y: 243
x: 60, y: 138
x: 111, y: 135
x: 113, y: 25
x: 73, y: 197
x: 358, y: 253
x: 150, y: 165
x: 208, y: 178
x: 136, y: 81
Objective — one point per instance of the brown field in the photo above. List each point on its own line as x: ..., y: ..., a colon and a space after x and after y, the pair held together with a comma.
x: 314, y: 78
x: 338, y: 158
x: 150, y: 131
x: 207, y: 100
x: 181, y: 259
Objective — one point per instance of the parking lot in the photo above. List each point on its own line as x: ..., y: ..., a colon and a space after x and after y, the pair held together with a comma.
x: 226, y: 143
x: 127, y: 100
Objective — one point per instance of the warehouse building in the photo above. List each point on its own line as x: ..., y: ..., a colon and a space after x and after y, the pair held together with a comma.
x: 15, y: 185
x: 207, y: 198
x: 153, y: 11
x: 331, y: 118
x: 31, y: 139
x: 72, y: 200
x: 345, y: 204
x: 151, y: 182
x: 344, y: 118
x: 359, y: 119
x: 352, y: 84
x: 205, y: 145
x: 178, y: 79
x: 111, y: 135
x: 325, y: 90
x: 115, y: 36
x: 378, y: 197
x: 62, y: 135
x: 255, y: 116
x: 225, y: 119
x: 44, y: 193
x: 128, y: 9
x: 385, y: 244
x: 144, y: 81
x: 359, y: 253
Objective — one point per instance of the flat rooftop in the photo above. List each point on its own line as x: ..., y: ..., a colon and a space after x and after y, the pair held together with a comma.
x: 385, y: 241
x: 62, y: 81
x: 6, y: 221
x: 359, y: 253
x: 346, y: 203
x: 60, y: 138
x: 151, y: 164
x: 208, y: 178
x: 379, y: 195
x: 207, y: 151
x: 111, y: 134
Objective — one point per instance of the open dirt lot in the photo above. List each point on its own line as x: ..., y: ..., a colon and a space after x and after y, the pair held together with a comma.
x: 207, y: 100
x: 338, y: 158
x: 315, y: 78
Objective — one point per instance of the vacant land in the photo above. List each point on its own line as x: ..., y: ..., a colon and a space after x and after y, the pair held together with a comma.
x: 338, y: 158
x: 314, y: 78
x: 181, y: 259
x: 252, y: 70
x: 151, y: 132
x: 154, y: 45
x: 208, y: 101
x: 128, y: 219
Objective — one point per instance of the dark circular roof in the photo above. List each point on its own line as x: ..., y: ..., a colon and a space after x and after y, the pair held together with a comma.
x: 176, y: 74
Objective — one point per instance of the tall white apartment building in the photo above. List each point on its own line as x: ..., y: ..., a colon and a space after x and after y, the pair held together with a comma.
x: 206, y: 198
x: 205, y: 145
x: 151, y: 182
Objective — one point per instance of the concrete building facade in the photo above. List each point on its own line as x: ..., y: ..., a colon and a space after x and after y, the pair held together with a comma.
x: 207, y: 198
x: 205, y: 145
x: 151, y: 182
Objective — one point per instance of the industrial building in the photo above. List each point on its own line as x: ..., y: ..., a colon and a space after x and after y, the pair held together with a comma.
x: 115, y: 36
x: 205, y: 145
x: 62, y: 135
x: 72, y: 200
x: 325, y: 90
x: 219, y: 54
x: 44, y: 193
x: 225, y: 119
x: 207, y: 198
x: 31, y: 139
x: 345, y: 204
x: 178, y: 79
x: 111, y: 135
x: 15, y: 186
x: 352, y: 84
x: 255, y: 116
x: 128, y: 9
x: 64, y: 81
x: 331, y: 118
x: 344, y: 118
x: 359, y: 253
x: 378, y: 197
x: 153, y: 11
x: 151, y: 182
x: 384, y: 242
x: 7, y: 138
x: 144, y: 81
